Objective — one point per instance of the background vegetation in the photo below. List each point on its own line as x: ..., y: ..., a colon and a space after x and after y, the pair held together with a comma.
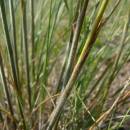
x: 60, y: 61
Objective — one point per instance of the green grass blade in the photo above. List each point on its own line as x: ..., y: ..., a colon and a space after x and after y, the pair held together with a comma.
x: 7, y: 91
x: 9, y: 45
x: 13, y: 25
x: 26, y: 47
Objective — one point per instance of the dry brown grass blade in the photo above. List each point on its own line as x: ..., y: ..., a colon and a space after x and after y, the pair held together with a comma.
x: 46, y: 100
x: 108, y: 112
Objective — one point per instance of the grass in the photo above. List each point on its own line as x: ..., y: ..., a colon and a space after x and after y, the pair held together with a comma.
x: 58, y: 61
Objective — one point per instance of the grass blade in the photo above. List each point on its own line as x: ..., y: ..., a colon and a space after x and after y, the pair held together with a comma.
x: 8, y: 41
x: 7, y: 91
x: 25, y: 41
x: 13, y: 25
x: 32, y: 37
x: 76, y: 36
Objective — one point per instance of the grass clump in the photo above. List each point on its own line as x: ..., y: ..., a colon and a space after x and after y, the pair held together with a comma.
x: 58, y: 62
